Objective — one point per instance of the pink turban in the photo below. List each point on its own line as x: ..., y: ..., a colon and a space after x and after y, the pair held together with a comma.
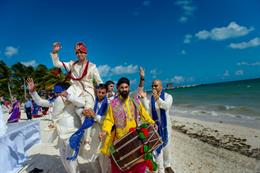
x: 81, y: 47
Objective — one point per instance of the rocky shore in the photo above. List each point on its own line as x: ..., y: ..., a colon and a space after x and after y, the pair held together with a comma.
x: 217, y: 138
x: 210, y: 147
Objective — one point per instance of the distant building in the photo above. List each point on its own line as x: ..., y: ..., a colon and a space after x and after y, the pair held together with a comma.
x: 169, y: 86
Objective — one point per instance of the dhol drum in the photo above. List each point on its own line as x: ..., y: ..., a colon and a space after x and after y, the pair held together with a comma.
x: 132, y: 148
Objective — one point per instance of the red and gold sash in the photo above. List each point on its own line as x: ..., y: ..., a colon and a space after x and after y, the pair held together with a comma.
x: 69, y: 76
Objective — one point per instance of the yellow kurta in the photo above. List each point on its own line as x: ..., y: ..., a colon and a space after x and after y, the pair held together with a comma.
x: 130, y: 123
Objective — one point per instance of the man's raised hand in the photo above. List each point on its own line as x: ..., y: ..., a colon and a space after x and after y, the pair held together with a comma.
x: 141, y: 73
x: 56, y: 46
x: 30, y: 84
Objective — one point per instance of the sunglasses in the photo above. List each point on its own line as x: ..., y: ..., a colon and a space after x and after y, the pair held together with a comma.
x: 154, y: 86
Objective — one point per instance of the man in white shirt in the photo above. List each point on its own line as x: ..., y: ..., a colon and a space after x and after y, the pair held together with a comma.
x: 65, y: 120
x: 98, y: 113
x: 110, y: 90
x: 159, y: 107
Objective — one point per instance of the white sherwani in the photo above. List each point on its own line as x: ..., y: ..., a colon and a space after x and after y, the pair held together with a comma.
x: 66, y: 123
x: 103, y: 160
x: 86, y: 86
x: 164, y: 158
x: 98, y: 162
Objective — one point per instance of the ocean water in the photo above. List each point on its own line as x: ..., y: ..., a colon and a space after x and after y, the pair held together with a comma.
x: 235, y: 102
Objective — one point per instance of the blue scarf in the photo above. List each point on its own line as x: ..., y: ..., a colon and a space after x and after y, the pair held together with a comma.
x: 162, y: 125
x: 75, y: 139
x: 103, y: 106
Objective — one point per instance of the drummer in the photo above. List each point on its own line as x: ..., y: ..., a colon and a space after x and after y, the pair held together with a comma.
x: 121, y: 113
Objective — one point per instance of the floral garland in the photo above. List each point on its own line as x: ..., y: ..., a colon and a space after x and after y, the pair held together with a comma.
x: 143, y: 134
x: 69, y: 76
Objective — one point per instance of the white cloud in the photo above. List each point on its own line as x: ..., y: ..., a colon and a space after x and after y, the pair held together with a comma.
x: 183, y: 52
x: 146, y: 3
x: 187, y: 38
x: 10, y: 51
x: 188, y: 9
x: 239, y: 72
x: 231, y: 31
x: 243, y: 45
x: 130, y: 69
x: 203, y: 35
x: 30, y: 63
x: 183, y: 19
x: 106, y: 70
x: 226, y: 73
x: 248, y: 64
x: 154, y: 73
x: 178, y: 79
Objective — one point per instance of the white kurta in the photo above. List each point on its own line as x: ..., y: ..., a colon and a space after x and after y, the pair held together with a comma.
x: 103, y: 160
x: 164, y: 158
x: 66, y: 123
x: 87, y: 83
x: 94, y: 140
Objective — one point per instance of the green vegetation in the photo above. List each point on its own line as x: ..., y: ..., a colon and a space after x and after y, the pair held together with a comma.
x: 13, y: 79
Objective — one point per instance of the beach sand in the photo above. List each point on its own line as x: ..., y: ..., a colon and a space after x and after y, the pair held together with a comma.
x: 206, y: 147
x: 197, y: 147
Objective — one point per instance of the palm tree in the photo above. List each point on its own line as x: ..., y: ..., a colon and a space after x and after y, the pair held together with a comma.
x: 21, y: 72
x: 38, y: 76
x: 53, y: 76
x: 45, y: 79
x: 5, y: 78
x: 15, y: 77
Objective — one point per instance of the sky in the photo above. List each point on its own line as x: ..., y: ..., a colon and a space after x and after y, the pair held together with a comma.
x: 177, y: 41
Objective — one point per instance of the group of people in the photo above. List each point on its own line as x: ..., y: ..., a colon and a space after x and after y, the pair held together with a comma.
x: 30, y: 107
x: 33, y: 110
x: 86, y: 112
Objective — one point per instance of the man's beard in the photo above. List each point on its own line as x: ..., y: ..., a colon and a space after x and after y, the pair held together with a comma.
x: 124, y: 94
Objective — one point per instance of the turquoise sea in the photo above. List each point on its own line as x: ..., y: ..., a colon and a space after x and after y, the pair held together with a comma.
x: 235, y: 102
